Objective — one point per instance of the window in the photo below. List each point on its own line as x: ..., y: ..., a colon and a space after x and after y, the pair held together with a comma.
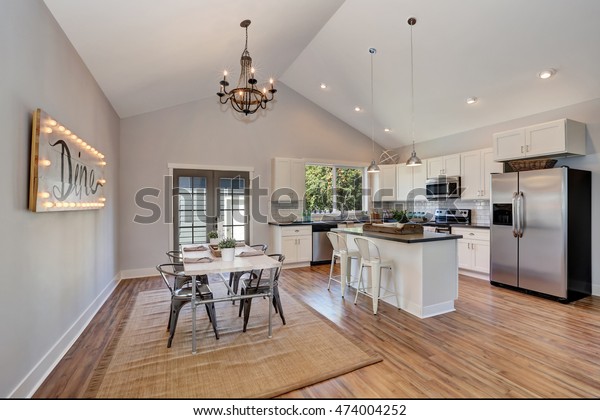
x: 331, y: 187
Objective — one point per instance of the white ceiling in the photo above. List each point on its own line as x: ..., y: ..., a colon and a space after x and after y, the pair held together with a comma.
x: 152, y: 54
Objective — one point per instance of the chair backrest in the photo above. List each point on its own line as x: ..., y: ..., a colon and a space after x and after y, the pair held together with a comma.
x: 175, y: 257
x: 172, y: 270
x: 337, y: 241
x: 260, y: 247
x: 368, y: 249
x: 265, y: 274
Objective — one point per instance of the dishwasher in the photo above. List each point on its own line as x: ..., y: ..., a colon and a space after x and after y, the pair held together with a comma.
x: 321, y: 245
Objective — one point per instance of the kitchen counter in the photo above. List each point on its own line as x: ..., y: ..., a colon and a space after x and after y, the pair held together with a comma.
x: 470, y: 225
x: 313, y: 222
x: 425, y: 269
x: 407, y: 239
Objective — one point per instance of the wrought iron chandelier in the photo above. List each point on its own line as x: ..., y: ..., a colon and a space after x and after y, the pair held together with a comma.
x: 245, y: 98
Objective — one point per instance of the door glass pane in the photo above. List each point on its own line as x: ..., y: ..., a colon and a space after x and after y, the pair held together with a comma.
x: 232, y: 207
x: 191, y: 197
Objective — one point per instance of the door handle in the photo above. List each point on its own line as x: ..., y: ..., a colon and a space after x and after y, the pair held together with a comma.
x: 520, y: 201
x: 514, y: 215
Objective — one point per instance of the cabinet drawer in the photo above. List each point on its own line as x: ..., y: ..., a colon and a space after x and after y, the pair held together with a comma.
x: 296, y: 230
x: 481, y: 234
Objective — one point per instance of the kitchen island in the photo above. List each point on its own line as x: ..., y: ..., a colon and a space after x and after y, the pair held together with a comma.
x: 425, y: 269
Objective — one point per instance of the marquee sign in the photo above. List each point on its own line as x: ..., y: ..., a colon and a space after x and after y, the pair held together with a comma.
x: 66, y: 173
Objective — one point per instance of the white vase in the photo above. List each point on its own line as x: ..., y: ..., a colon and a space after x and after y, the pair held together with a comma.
x: 214, y: 241
x: 227, y: 254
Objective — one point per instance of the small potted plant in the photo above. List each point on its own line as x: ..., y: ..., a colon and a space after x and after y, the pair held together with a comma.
x: 227, y: 247
x: 213, y: 237
x: 400, y: 216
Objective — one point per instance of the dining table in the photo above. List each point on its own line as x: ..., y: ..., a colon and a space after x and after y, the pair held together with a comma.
x: 199, y: 259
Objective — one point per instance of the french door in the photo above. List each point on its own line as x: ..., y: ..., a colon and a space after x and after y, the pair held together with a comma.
x: 203, y: 198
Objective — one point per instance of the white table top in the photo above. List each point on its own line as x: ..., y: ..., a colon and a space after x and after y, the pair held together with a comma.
x: 219, y: 266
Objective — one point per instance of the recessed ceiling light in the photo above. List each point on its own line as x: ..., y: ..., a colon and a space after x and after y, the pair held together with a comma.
x: 387, y: 130
x: 472, y: 100
x: 546, y: 74
x: 357, y: 109
x: 323, y: 86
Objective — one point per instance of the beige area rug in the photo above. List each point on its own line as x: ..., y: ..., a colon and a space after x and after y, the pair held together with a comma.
x: 138, y: 364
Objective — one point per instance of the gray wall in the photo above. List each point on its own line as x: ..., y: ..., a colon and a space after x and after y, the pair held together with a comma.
x: 204, y: 133
x: 586, y: 112
x: 56, y: 267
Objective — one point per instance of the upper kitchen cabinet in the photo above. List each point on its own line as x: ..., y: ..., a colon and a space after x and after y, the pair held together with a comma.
x: 476, y: 168
x: 560, y: 137
x: 386, y: 191
x: 410, y: 182
x: 443, y: 165
x: 288, y: 174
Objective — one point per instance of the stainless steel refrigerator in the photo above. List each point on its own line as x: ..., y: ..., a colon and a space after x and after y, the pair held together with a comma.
x: 540, y: 232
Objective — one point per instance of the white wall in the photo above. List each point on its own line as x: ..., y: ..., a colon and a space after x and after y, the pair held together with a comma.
x: 56, y: 267
x: 586, y: 112
x: 204, y: 133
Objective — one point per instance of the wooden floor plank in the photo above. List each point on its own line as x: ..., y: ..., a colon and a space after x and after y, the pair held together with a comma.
x: 497, y: 344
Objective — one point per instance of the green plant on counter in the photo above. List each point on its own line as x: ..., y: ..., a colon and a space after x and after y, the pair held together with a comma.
x: 213, y: 234
x: 227, y: 243
x: 400, y: 216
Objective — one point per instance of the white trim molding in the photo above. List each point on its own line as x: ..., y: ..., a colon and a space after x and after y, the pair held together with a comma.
x: 44, y: 367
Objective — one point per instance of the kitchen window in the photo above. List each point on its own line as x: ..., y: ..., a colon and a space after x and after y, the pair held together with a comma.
x: 333, y: 187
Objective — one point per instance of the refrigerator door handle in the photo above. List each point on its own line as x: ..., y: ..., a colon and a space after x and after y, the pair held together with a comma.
x: 520, y: 201
x: 515, y: 228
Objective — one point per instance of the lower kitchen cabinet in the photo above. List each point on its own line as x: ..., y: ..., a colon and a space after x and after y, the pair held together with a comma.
x: 474, y: 251
x: 295, y: 242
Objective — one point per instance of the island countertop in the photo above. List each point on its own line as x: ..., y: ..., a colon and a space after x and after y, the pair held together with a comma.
x: 407, y: 239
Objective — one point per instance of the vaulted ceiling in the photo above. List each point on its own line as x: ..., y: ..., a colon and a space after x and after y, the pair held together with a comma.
x: 152, y: 54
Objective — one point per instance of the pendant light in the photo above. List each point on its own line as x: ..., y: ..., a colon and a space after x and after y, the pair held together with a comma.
x: 373, y: 168
x: 414, y: 159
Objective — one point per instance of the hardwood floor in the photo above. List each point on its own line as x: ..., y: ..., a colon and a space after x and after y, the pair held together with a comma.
x: 497, y: 344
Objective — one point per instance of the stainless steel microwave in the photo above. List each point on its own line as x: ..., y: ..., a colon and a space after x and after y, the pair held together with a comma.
x: 443, y: 187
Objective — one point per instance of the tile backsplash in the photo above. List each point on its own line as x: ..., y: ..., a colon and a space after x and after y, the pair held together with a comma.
x: 480, y: 209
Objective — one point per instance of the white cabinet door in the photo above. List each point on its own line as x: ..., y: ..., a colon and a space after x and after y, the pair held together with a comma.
x: 404, y: 181
x: 471, y: 175
x: 452, y: 165
x: 545, y: 139
x: 435, y: 167
x: 489, y: 167
x: 387, y: 183
x: 443, y: 165
x: 289, y: 248
x: 465, y: 257
x: 481, y: 256
x: 419, y: 181
x: 298, y: 177
x: 288, y: 174
x: 304, y: 248
x: 509, y: 144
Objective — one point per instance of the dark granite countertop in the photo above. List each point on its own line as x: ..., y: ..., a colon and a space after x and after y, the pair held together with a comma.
x: 300, y: 223
x: 472, y: 225
x: 407, y: 239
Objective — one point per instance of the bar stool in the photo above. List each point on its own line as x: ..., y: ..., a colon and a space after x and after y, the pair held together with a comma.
x: 371, y: 258
x: 340, y: 252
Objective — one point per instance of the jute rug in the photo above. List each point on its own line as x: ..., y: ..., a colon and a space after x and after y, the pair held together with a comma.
x: 138, y: 364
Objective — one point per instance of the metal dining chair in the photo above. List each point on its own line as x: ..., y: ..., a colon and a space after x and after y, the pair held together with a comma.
x: 234, y: 278
x: 182, y: 295
x: 255, y: 283
x: 176, y: 257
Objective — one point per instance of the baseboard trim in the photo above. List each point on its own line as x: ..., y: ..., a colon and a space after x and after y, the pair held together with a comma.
x: 474, y: 274
x: 44, y: 367
x: 138, y: 272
